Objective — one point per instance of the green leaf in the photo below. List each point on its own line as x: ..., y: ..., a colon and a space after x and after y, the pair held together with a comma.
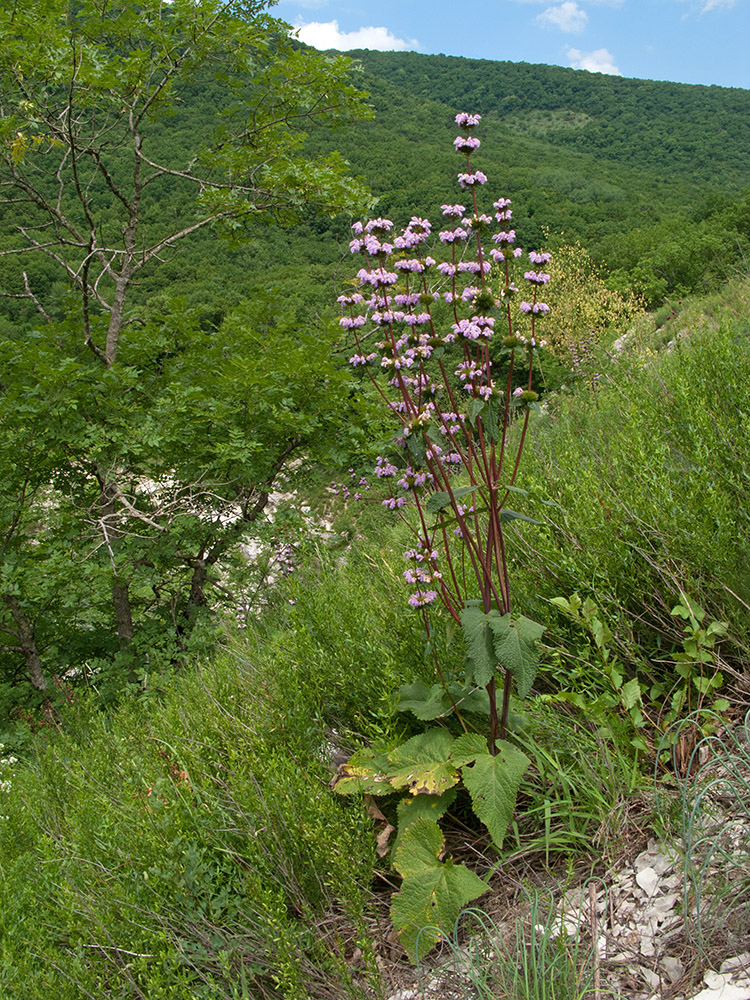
x: 601, y: 632
x: 422, y: 764
x: 426, y: 703
x: 570, y: 606
x: 687, y: 609
x: 433, y: 702
x: 631, y: 693
x: 433, y: 893
x: 420, y: 849
x: 438, y: 501
x: 474, y: 409
x: 480, y: 655
x: 492, y: 418
x: 415, y: 444
x: 513, y: 515
x: 515, y: 648
x: 467, y: 748
x: 430, y: 807
x: 706, y: 684
x: 717, y: 628
x: 416, y: 807
x: 493, y: 784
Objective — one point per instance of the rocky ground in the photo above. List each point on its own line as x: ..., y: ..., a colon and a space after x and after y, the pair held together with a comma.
x: 665, y: 921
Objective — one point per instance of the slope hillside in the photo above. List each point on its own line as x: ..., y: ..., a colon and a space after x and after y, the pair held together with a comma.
x: 674, y: 130
x: 586, y: 155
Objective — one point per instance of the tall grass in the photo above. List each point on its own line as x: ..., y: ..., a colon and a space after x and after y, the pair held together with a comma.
x: 188, y: 845
x: 647, y: 480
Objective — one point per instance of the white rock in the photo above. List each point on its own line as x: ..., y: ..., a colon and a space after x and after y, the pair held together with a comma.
x: 648, y: 880
x: 647, y: 946
x: 741, y: 962
x: 662, y: 907
x: 721, y: 988
x: 673, y: 968
x: 653, y: 980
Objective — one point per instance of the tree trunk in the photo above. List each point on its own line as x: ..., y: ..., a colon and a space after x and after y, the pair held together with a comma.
x: 123, y: 613
x: 28, y: 643
x: 120, y: 593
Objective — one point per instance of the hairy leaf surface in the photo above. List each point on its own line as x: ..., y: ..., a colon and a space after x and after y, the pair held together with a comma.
x: 493, y: 784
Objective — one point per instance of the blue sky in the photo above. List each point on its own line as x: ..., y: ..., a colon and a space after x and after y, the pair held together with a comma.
x: 688, y: 41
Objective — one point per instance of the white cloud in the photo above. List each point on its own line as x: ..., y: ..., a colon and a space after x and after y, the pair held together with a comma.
x: 599, y: 61
x: 328, y: 35
x: 567, y: 17
x: 605, y: 3
x: 717, y: 5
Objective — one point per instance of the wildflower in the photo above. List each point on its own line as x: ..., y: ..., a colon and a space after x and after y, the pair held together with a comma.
x: 384, y: 468
x: 469, y: 180
x: 377, y: 277
x: 415, y: 265
x: 379, y: 226
x: 536, y: 277
x: 474, y: 267
x: 456, y: 211
x: 412, y: 479
x: 406, y: 300
x: 350, y: 322
x: 451, y: 235
x: 464, y: 120
x: 466, y: 145
x: 478, y: 222
x: 422, y: 597
x: 420, y: 227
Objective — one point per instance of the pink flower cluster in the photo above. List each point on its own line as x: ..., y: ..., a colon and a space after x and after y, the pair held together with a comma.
x: 412, y: 309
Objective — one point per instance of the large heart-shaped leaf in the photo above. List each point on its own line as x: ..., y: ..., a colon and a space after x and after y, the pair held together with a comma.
x: 493, y: 784
x: 431, y: 703
x: 481, y: 659
x: 422, y: 764
x: 433, y: 893
x: 365, y: 771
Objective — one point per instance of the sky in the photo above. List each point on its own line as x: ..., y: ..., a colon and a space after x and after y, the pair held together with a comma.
x: 686, y: 41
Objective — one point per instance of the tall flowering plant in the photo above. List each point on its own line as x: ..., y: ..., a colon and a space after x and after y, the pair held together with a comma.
x: 447, y: 329
x: 441, y: 332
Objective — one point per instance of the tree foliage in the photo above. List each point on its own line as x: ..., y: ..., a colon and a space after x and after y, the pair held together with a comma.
x: 138, y: 445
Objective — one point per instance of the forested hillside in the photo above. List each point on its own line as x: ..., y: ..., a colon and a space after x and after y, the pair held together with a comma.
x: 585, y: 156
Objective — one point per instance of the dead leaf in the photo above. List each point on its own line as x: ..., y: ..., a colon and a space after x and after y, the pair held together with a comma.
x: 385, y: 834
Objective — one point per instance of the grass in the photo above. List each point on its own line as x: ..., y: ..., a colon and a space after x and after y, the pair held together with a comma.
x: 714, y: 820
x: 537, y: 955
